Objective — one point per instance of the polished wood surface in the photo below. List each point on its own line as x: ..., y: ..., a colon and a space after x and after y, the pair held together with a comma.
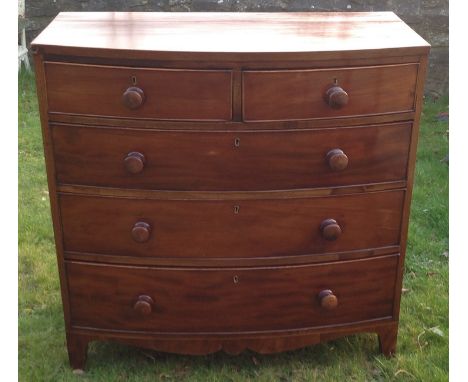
x: 224, y: 33
x: 238, y: 125
x: 144, y: 305
x: 133, y: 97
x: 330, y: 229
x: 219, y: 262
x: 231, y: 343
x: 231, y: 160
x: 410, y: 175
x: 134, y: 162
x: 264, y: 227
x: 230, y: 195
x: 388, y: 339
x: 41, y: 83
x: 336, y: 97
x: 141, y: 232
x: 169, y: 94
x: 328, y: 300
x: 302, y: 94
x: 337, y: 160
x: 210, y: 300
x: 252, y: 167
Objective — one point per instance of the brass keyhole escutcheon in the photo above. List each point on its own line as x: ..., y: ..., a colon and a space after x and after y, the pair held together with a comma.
x: 236, y: 209
x: 237, y: 142
x: 235, y: 279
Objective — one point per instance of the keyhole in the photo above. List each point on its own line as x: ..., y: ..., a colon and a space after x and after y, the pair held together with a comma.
x: 237, y: 142
x: 335, y: 81
x: 235, y: 279
x: 134, y: 80
x: 236, y: 209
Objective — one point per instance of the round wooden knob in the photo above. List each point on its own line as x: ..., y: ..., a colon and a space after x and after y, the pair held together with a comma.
x: 327, y: 299
x: 133, y: 97
x: 144, y: 305
x: 337, y: 160
x: 141, y: 232
x: 330, y: 229
x: 336, y: 97
x: 134, y: 162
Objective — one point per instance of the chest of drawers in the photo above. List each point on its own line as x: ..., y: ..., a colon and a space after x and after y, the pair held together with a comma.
x: 229, y: 181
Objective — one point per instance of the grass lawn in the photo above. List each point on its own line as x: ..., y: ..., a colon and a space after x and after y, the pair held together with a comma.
x: 423, y: 336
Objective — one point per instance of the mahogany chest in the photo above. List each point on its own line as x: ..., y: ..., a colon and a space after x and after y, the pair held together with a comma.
x: 226, y: 181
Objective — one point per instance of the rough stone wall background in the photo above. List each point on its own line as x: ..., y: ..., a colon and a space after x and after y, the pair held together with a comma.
x: 430, y: 18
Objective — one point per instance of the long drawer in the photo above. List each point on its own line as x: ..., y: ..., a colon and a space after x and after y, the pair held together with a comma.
x: 230, y: 300
x: 328, y: 93
x: 111, y: 91
x: 226, y: 228
x: 275, y: 160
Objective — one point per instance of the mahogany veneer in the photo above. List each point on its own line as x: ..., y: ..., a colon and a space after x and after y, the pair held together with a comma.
x: 299, y: 94
x: 168, y: 93
x: 249, y: 160
x: 224, y: 181
x: 241, y: 299
x: 242, y: 228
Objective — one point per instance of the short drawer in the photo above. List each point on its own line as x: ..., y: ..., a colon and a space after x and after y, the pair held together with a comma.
x: 230, y: 300
x: 328, y: 93
x: 229, y: 161
x: 227, y: 228
x: 166, y: 94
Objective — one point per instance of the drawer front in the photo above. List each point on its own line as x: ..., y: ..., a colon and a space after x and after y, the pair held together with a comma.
x: 230, y: 229
x: 230, y: 300
x: 168, y: 94
x: 302, y: 94
x: 229, y: 161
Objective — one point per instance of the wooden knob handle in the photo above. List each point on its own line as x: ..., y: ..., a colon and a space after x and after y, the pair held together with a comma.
x: 327, y: 299
x: 337, y: 160
x: 330, y: 229
x: 133, y: 97
x: 141, y: 232
x: 144, y: 305
x: 336, y: 97
x: 134, y: 162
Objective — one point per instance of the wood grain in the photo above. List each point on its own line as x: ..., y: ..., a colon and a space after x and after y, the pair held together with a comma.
x: 300, y: 94
x: 233, y: 343
x: 204, y: 229
x: 411, y: 174
x: 208, y: 300
x: 388, y: 340
x: 232, y: 261
x: 229, y: 35
x: 170, y: 94
x: 41, y: 83
x: 230, y: 195
x: 210, y: 161
x: 193, y: 158
x: 231, y: 125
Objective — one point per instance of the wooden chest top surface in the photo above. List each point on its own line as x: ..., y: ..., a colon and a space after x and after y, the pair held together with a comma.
x: 211, y: 32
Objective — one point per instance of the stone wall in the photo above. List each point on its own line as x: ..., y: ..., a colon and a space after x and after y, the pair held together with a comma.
x: 427, y: 17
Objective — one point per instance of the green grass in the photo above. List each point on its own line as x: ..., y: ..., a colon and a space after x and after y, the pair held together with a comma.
x: 422, y: 350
